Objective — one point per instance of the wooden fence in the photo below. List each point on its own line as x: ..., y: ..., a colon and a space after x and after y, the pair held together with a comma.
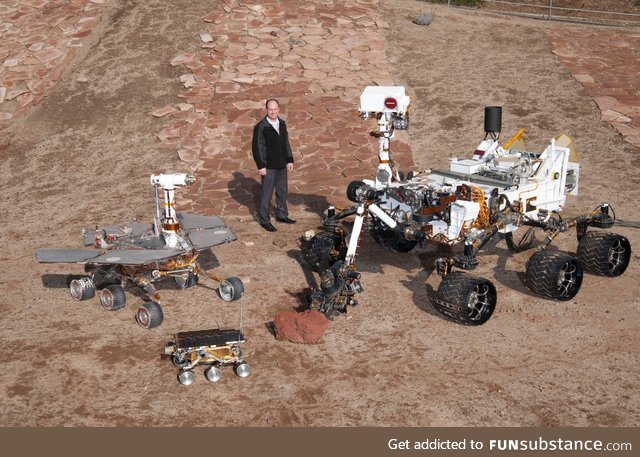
x: 628, y: 14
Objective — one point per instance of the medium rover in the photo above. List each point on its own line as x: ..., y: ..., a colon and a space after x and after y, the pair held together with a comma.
x: 142, y: 254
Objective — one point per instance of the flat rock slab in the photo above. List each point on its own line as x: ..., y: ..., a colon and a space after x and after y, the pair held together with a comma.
x: 608, y: 77
x: 40, y: 38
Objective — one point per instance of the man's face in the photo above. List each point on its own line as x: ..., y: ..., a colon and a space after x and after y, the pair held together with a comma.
x: 273, y: 109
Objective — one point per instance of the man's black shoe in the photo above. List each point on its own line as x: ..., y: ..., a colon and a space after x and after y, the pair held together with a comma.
x: 269, y: 227
x: 285, y: 220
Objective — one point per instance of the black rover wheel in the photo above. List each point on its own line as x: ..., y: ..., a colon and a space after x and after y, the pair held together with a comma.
x: 469, y: 300
x: 352, y: 190
x: 521, y: 239
x: 113, y: 297
x: 554, y: 275
x: 604, y: 253
x: 186, y: 281
x: 323, y: 250
x: 149, y: 315
x: 393, y: 240
x: 82, y: 288
x: 231, y: 289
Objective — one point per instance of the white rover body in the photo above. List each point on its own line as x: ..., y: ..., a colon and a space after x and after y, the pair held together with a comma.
x: 498, y: 189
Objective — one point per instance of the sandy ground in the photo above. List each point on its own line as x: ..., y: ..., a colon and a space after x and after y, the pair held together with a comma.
x: 84, y: 156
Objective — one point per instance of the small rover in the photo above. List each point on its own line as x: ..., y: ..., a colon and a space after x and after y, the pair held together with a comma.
x: 213, y: 348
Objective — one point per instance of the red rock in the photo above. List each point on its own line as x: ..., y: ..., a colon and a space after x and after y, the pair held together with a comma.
x: 181, y: 59
x: 15, y: 93
x: 36, y: 86
x: 211, y: 17
x: 11, y: 63
x: 168, y: 133
x: 188, y: 80
x: 306, y: 327
x: 24, y: 100
x: 186, y: 155
x: 243, y: 80
x: 226, y: 87
x: 35, y: 3
x: 161, y: 112
x: 48, y: 55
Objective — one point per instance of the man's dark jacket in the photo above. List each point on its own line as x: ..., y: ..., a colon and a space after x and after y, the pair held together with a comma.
x: 270, y: 149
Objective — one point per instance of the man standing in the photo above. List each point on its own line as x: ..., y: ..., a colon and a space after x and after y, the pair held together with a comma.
x: 273, y: 157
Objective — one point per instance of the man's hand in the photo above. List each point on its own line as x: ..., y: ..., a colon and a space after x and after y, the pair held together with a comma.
x: 263, y: 172
x: 289, y: 166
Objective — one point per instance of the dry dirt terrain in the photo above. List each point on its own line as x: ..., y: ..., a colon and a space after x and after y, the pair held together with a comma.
x: 83, y: 158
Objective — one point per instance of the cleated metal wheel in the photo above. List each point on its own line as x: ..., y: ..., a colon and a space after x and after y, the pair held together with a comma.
x: 149, y: 315
x: 213, y: 374
x: 521, y: 239
x: 242, y: 369
x: 231, y: 289
x: 604, y: 253
x: 556, y: 276
x: 469, y: 300
x: 392, y: 240
x: 321, y: 251
x: 82, y: 288
x: 185, y: 281
x: 113, y: 297
x: 180, y: 359
x: 186, y: 377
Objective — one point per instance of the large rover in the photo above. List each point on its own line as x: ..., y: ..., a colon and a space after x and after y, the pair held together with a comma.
x: 500, y: 189
x: 142, y: 254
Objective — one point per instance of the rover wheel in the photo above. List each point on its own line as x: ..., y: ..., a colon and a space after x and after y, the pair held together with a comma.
x: 242, y: 369
x: 231, y: 289
x: 179, y: 359
x: 185, y: 281
x: 556, y: 276
x: 392, y: 240
x: 351, y: 190
x: 213, y: 374
x: 322, y: 250
x: 469, y: 300
x: 149, y: 315
x: 113, y: 297
x: 186, y: 377
x: 604, y: 253
x: 521, y: 239
x: 82, y: 288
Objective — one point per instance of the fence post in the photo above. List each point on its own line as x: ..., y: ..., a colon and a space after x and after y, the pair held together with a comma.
x: 550, y: 9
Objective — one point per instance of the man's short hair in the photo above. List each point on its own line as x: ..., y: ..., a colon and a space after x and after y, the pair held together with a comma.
x: 266, y: 105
